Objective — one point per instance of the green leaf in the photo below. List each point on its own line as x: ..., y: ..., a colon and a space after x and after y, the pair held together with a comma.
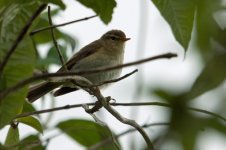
x: 21, y: 63
x: 86, y: 132
x: 213, y: 74
x: 2, y: 147
x: 28, y: 107
x: 27, y: 143
x: 9, y: 2
x: 180, y: 15
x: 32, y: 122
x: 103, y: 8
x: 164, y: 95
x: 208, y: 29
x: 12, y: 137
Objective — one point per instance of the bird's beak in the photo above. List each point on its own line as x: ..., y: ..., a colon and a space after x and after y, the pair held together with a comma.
x: 125, y: 39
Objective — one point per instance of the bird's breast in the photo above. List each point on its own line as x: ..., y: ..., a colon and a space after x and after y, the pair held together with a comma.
x: 102, y: 61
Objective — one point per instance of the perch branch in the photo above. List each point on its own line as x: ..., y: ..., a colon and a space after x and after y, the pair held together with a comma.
x: 51, y: 75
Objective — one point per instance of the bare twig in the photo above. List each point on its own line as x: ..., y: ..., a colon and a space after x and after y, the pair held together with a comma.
x: 52, y: 109
x: 131, y: 123
x: 55, y: 42
x: 21, y: 36
x: 109, y: 140
x: 120, y: 104
x: 115, y: 80
x: 60, y: 25
x: 51, y: 75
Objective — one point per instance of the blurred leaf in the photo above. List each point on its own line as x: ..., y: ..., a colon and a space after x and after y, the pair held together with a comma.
x: 32, y: 122
x: 217, y: 125
x: 12, y: 137
x: 2, y: 147
x: 86, y: 132
x: 164, y: 95
x: 208, y: 29
x: 212, y: 76
x: 21, y: 63
x: 182, y: 124
x: 103, y: 8
x: 31, y: 142
x: 180, y: 15
x: 53, y: 57
x: 69, y: 40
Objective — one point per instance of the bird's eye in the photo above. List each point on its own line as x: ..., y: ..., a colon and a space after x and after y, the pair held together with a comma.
x: 113, y: 38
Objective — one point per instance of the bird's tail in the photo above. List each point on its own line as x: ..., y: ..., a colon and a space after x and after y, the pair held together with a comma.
x: 41, y: 89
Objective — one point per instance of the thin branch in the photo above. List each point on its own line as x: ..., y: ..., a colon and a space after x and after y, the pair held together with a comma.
x: 105, y: 103
x: 62, y: 74
x: 21, y: 36
x: 60, y: 25
x: 113, y: 80
x: 54, y: 40
x: 109, y: 140
x: 131, y: 123
x: 167, y: 55
x: 120, y: 104
x: 52, y: 109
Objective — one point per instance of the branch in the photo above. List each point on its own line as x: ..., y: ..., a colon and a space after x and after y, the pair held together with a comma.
x: 131, y: 123
x: 62, y: 74
x: 111, y: 81
x: 105, y: 103
x: 60, y: 25
x: 21, y: 36
x: 109, y: 140
x: 119, y: 104
x: 54, y: 40
x: 167, y: 55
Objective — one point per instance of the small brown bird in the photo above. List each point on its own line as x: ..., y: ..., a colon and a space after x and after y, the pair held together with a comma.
x: 104, y: 52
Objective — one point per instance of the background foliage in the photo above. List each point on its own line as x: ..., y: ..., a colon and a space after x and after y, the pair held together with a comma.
x: 188, y: 19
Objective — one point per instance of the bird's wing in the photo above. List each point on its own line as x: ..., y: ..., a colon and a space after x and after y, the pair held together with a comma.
x: 83, y: 53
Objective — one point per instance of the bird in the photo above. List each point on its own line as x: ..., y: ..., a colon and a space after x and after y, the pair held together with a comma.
x: 106, y: 51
